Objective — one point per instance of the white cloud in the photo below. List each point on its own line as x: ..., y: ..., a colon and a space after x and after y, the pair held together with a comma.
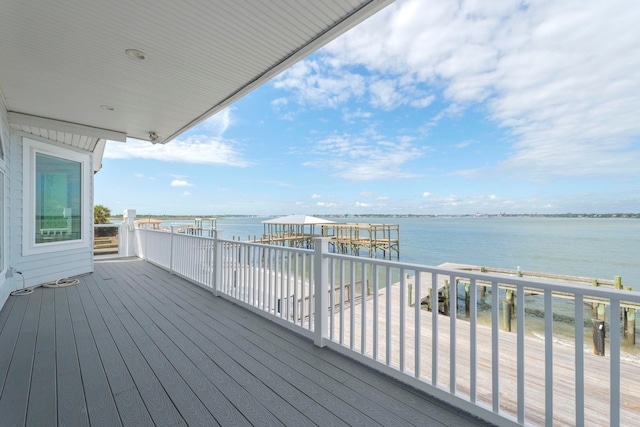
x: 316, y: 196
x: 363, y: 205
x: 200, y: 149
x: 181, y: 183
x: 186, y: 193
x: 562, y: 78
x: 352, y: 116
x: 314, y: 84
x: 370, y: 195
x: 219, y: 123
x: 426, y: 194
x: 326, y: 204
x: 359, y: 159
x: 277, y: 103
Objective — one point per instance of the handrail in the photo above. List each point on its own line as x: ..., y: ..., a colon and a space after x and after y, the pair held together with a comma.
x: 372, y: 310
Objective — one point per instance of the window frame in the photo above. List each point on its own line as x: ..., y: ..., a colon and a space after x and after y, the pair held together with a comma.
x: 31, y: 147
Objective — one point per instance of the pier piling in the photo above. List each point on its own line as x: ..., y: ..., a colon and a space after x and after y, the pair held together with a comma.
x: 598, y: 337
x: 630, y: 330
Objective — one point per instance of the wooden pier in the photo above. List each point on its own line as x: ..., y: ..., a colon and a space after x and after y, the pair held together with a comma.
x: 596, y: 368
x: 297, y: 231
x: 351, y: 238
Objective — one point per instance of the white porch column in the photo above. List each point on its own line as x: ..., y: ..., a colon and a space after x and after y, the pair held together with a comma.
x: 127, y: 234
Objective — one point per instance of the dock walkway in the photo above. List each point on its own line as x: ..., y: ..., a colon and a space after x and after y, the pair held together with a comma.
x: 596, y: 367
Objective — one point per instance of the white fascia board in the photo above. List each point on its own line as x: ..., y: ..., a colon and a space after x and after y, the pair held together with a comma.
x: 98, y: 153
x: 21, y: 119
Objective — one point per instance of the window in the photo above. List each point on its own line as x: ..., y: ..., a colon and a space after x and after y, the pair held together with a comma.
x: 56, y: 198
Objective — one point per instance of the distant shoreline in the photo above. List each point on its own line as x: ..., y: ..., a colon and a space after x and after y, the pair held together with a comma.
x: 476, y: 215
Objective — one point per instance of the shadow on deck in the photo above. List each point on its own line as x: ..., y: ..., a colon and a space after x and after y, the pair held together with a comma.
x: 134, y: 345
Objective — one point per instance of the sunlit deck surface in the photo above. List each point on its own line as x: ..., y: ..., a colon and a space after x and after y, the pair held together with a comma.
x: 134, y: 345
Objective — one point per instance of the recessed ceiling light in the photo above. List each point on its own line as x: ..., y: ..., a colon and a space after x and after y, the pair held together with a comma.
x: 136, y: 54
x: 107, y: 107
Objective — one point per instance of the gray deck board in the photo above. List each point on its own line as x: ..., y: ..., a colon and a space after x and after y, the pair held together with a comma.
x: 9, y: 334
x: 157, y: 402
x: 4, y: 313
x: 15, y: 407
x: 72, y: 406
x: 133, y: 345
x: 42, y: 398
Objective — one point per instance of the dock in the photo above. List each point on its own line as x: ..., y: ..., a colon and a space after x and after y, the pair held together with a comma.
x: 298, y: 231
x: 596, y: 367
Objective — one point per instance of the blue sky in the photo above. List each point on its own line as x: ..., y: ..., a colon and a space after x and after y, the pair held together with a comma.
x: 429, y: 107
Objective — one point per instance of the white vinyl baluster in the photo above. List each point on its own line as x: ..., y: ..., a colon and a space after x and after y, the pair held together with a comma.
x: 297, y: 281
x: 495, y: 353
x: 303, y: 292
x: 520, y: 351
x: 363, y: 306
x: 473, y: 350
x: 388, y: 315
x: 342, y: 302
x: 579, y: 372
x: 352, y: 306
x: 614, y: 359
x: 376, y: 284
x: 435, y: 307
x: 332, y: 298
x: 548, y: 356
x: 312, y: 293
x: 417, y: 305
x: 453, y: 315
x: 403, y: 301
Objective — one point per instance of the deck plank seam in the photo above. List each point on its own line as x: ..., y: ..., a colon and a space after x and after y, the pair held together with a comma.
x: 255, y: 337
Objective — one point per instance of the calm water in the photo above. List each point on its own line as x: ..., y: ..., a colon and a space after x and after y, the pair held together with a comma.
x: 589, y: 247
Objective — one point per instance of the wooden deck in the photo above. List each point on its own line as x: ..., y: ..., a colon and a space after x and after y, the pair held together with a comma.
x: 596, y: 373
x: 134, y: 345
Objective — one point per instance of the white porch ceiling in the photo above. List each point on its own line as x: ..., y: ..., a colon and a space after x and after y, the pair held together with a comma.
x: 62, y: 63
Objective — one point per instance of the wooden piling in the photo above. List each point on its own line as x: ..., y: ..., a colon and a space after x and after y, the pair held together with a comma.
x: 598, y: 337
x: 445, y: 297
x: 617, y: 282
x: 631, y: 325
x: 508, y: 309
x: 467, y: 299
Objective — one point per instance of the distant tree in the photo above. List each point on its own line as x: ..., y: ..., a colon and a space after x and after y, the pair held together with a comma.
x: 101, y: 214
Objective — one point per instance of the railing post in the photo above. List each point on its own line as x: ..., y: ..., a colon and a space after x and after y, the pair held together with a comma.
x: 171, y: 252
x: 217, y: 261
x: 127, y: 233
x: 321, y: 287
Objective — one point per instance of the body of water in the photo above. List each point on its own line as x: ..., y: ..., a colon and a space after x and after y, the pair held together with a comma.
x: 590, y: 247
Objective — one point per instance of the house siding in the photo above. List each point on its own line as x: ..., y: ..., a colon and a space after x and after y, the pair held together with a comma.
x: 5, y: 232
x: 41, y: 267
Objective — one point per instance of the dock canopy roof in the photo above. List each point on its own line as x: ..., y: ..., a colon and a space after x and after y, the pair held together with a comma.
x: 298, y: 220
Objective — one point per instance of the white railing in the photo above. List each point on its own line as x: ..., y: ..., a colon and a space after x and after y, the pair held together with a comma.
x: 373, y: 311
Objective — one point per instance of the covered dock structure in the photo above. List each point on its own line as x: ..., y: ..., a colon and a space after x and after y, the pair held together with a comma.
x: 345, y: 238
x: 295, y: 231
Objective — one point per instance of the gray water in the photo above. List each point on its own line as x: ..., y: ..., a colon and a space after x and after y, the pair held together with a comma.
x: 598, y: 248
